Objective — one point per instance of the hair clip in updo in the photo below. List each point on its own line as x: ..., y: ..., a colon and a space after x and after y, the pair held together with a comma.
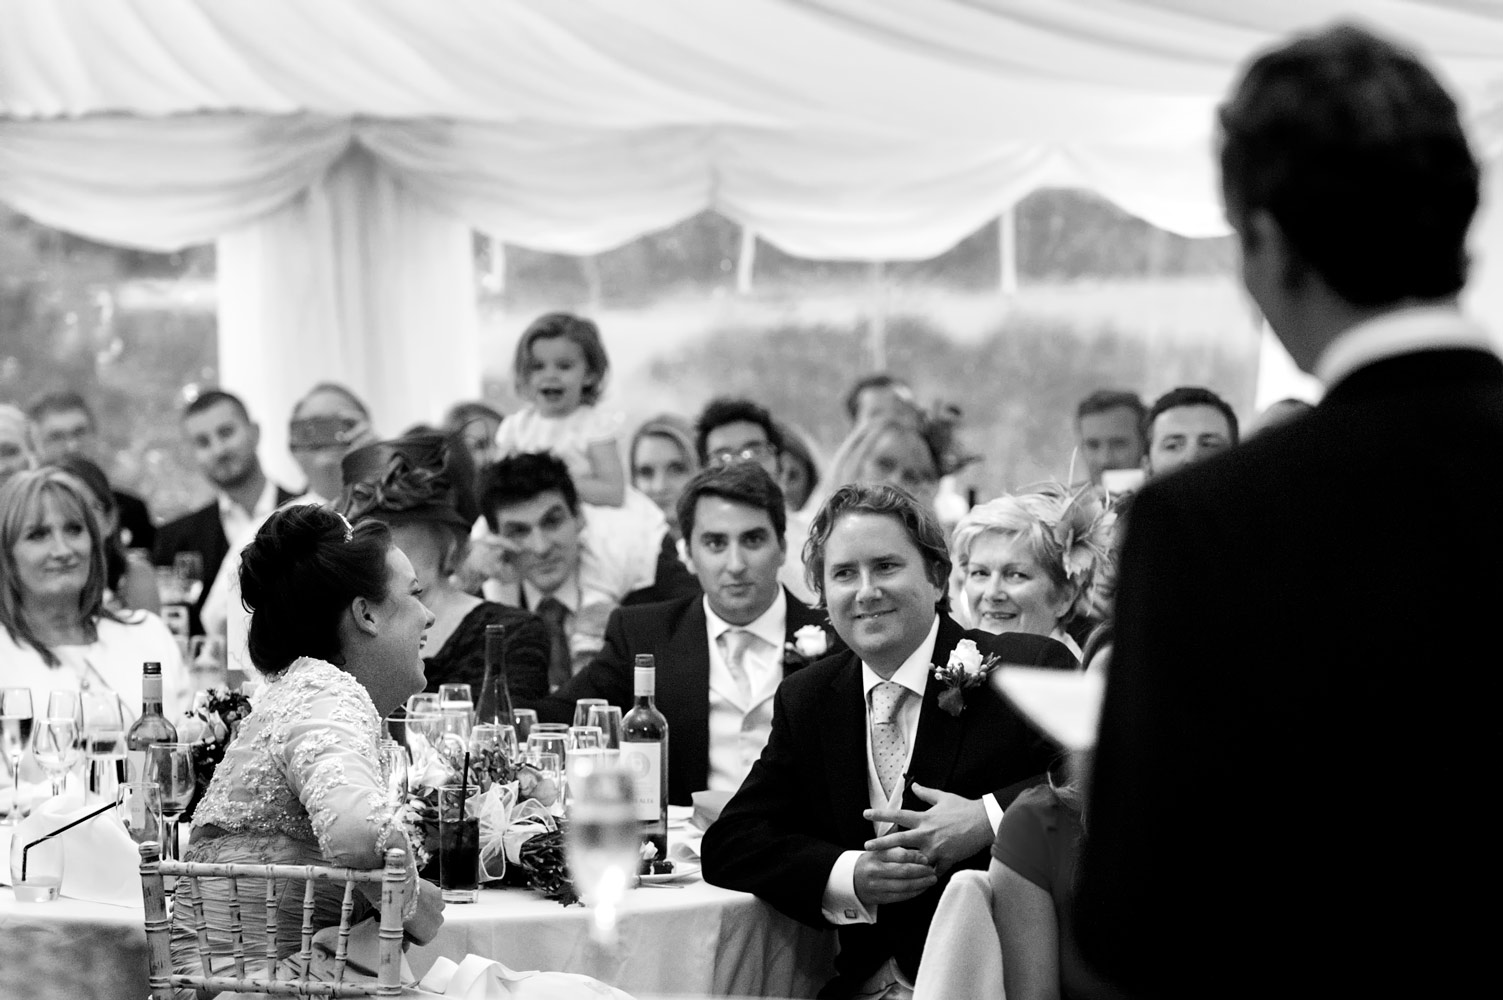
x: 349, y: 529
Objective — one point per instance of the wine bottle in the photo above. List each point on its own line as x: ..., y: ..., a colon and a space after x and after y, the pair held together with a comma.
x: 644, y: 753
x: 494, y: 706
x: 152, y: 727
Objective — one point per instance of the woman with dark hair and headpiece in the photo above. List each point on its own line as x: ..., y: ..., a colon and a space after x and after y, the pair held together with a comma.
x: 337, y: 628
x: 422, y: 487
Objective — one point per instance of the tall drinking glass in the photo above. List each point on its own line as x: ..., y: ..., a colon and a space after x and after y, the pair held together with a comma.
x: 15, y: 733
x: 104, y: 743
x: 170, y: 765
x: 555, y: 743
x: 458, y: 847
x: 139, y: 805
x: 64, y: 705
x: 604, y: 844
x: 608, y: 719
x: 393, y: 759
x: 524, y: 719
x: 189, y: 569
x: 54, y: 743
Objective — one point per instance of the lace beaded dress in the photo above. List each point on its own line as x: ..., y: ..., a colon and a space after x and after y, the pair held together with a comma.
x: 300, y: 784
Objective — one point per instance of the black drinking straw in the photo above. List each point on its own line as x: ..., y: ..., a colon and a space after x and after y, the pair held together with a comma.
x: 62, y: 829
x: 464, y: 784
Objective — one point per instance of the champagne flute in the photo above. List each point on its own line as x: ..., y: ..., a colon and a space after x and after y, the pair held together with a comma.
x: 54, y: 743
x: 15, y: 733
x: 393, y: 757
x: 604, y: 845
x: 170, y: 765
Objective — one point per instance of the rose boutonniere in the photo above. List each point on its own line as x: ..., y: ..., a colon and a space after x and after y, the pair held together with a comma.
x: 967, y: 668
x: 809, y: 644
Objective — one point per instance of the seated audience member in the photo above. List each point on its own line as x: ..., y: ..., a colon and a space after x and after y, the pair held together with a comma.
x: 662, y: 460
x: 130, y: 579
x: 326, y: 424
x: 1028, y: 560
x: 423, y: 489
x: 223, y: 439
x: 800, y: 476
x: 1187, y: 425
x: 1277, y: 414
x: 570, y: 577
x: 1032, y: 874
x: 477, y: 423
x: 720, y: 657
x: 15, y: 443
x: 1109, y: 426
x: 337, y: 631
x: 58, y: 631
x: 739, y: 430
x: 892, y: 451
x: 878, y: 397
x: 870, y: 791
x: 64, y: 425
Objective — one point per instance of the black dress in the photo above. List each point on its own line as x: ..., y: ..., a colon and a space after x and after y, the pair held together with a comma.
x: 461, y: 659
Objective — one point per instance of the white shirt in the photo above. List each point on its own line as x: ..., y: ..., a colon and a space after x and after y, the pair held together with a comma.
x: 1401, y: 331
x: 840, y: 903
x: 236, y: 521
x: 738, y: 732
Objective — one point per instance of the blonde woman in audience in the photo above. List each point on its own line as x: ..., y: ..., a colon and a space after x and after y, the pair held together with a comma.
x: 56, y: 631
x: 1027, y: 561
x: 15, y: 443
x: 130, y: 578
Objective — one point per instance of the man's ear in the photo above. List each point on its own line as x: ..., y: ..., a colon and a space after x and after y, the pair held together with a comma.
x: 362, y: 615
x: 1264, y: 233
x: 255, y: 435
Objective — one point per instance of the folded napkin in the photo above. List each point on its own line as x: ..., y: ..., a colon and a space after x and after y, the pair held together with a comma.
x: 962, y: 954
x: 707, y: 807
x: 101, y: 863
x: 478, y: 978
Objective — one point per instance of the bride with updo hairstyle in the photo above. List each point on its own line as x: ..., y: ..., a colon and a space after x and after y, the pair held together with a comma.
x: 337, y: 627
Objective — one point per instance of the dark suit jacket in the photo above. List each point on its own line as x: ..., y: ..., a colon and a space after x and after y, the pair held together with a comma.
x: 801, y: 806
x: 201, y: 532
x: 676, y: 633
x: 136, y: 528
x: 1291, y: 689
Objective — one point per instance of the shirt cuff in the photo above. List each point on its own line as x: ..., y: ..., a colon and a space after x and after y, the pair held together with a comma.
x: 839, y: 904
x: 993, y: 812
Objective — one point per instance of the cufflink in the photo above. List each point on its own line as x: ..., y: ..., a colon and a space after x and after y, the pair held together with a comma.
x: 850, y: 914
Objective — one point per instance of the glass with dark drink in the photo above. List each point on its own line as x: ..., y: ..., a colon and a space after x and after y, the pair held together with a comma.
x: 458, y: 847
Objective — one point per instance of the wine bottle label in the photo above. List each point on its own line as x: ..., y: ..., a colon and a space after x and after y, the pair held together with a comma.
x: 151, y: 687
x: 136, y: 765
x: 644, y: 762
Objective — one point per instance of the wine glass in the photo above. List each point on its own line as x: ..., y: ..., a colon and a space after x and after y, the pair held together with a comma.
x: 64, y: 705
x: 393, y: 757
x: 170, y: 765
x: 139, y: 806
x: 582, y: 708
x: 454, y: 695
x: 15, y: 732
x: 604, y: 844
x: 54, y: 743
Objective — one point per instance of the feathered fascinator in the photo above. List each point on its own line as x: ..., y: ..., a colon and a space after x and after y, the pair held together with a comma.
x: 421, y: 478
x: 1080, y: 530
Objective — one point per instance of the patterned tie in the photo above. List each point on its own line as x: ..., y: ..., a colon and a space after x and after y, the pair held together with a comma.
x: 889, y: 745
x: 733, y: 646
x: 553, y: 612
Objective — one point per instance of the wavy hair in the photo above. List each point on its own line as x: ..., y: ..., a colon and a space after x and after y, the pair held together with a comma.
x: 889, y: 501
x: 1067, y: 533
x: 20, y: 505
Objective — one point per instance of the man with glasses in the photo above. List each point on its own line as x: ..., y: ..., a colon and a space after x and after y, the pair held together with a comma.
x: 738, y: 430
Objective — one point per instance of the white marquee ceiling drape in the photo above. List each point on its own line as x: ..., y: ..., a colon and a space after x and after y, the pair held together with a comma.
x: 877, y: 129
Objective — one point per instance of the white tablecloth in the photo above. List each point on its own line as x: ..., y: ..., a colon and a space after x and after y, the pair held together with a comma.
x: 695, y: 940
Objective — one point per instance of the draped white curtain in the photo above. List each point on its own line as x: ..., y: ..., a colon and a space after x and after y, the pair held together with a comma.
x: 339, y: 150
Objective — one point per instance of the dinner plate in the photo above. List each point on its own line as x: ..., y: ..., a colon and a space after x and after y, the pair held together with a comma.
x: 681, y: 869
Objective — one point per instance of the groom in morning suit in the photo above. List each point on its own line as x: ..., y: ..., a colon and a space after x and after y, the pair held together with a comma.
x: 869, y: 793
x: 720, y: 656
x: 1295, y: 712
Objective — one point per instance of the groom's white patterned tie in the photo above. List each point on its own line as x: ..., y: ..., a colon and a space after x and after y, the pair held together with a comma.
x: 889, y: 745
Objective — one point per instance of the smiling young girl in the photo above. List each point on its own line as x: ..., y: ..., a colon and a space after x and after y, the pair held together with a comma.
x: 560, y: 370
